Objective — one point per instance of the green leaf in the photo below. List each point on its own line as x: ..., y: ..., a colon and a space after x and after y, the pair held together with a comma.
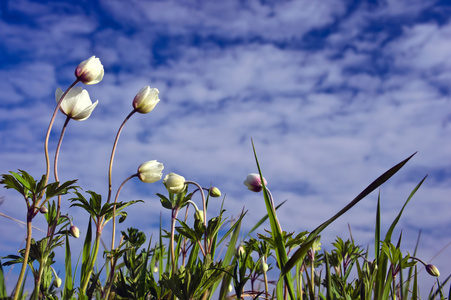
x: 11, y: 182
x: 165, y: 201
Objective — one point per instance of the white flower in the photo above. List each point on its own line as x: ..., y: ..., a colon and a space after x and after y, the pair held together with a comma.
x: 146, y: 99
x: 77, y: 105
x: 90, y: 71
x: 254, y: 183
x: 174, y: 183
x: 150, y: 171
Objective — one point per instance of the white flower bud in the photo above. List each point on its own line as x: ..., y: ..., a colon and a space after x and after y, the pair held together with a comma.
x: 90, y: 71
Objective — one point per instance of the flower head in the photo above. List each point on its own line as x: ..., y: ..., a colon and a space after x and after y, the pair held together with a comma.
x: 77, y: 105
x: 90, y: 71
x: 199, y: 215
x: 432, y: 270
x: 43, y: 210
x: 146, y: 99
x: 174, y: 183
x: 57, y: 282
x: 254, y: 183
x: 215, y: 192
x: 150, y: 171
x: 74, y: 231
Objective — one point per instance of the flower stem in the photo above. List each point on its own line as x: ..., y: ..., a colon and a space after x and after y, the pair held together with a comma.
x: 26, y: 255
x: 92, y: 261
x: 113, y: 151
x: 175, y: 211
x: 114, y: 209
x: 204, y: 205
x: 47, y: 136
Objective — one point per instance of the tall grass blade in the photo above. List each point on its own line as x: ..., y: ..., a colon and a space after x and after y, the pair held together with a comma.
x: 377, y: 233
x: 281, y: 254
x: 86, y: 252
x: 299, y: 254
x: 395, y: 222
x: 262, y: 220
x: 68, y: 282
x: 3, y: 293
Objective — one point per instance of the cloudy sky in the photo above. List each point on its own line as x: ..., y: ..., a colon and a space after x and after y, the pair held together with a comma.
x: 332, y: 92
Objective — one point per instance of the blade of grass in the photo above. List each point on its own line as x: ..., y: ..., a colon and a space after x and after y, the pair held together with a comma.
x: 281, y: 254
x: 68, y: 283
x: 374, y: 185
x: 395, y: 222
x: 3, y: 293
x: 86, y: 252
x: 377, y: 233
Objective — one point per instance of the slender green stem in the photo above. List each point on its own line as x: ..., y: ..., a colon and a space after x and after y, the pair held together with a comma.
x: 92, y: 261
x: 114, y: 209
x: 175, y: 211
x: 113, y: 151
x: 51, y: 233
x: 204, y: 205
x: 55, y: 172
x: 26, y: 255
x: 47, y: 136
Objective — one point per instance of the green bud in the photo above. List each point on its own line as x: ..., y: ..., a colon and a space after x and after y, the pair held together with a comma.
x: 215, y: 192
x: 199, y: 215
x: 43, y: 210
x: 264, y: 267
x: 432, y: 270
x: 57, y: 282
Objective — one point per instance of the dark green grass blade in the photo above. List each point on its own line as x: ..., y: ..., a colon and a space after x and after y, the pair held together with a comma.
x: 86, y: 252
x: 3, y: 293
x: 68, y: 283
x: 329, y: 294
x: 395, y: 222
x: 415, y: 285
x: 231, y: 249
x: 299, y: 254
x: 276, y: 232
x: 377, y: 233
x: 262, y: 220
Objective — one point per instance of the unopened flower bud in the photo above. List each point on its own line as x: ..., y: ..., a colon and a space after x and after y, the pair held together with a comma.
x: 215, y: 192
x: 174, y: 183
x: 254, y: 183
x: 74, y: 231
x: 432, y: 270
x: 155, y: 269
x: 150, y: 171
x: 43, y: 210
x: 57, y: 282
x: 199, y: 215
x: 146, y: 99
x: 263, y: 267
x: 240, y: 251
x: 90, y: 71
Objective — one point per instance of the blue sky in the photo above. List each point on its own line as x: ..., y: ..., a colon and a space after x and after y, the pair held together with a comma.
x: 333, y: 93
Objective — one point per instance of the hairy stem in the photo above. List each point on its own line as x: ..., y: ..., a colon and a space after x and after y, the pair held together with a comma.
x: 47, y: 136
x: 204, y: 205
x: 26, y: 255
x: 114, y: 209
x: 113, y: 151
x: 92, y: 260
